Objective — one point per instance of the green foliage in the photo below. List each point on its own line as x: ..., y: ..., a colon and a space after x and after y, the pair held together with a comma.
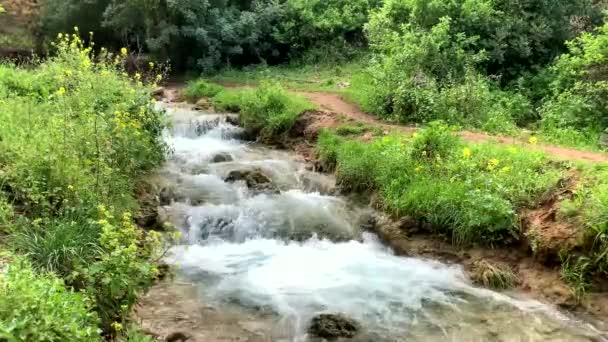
x: 471, y: 194
x: 201, y: 88
x: 321, y: 30
x: 121, y: 271
x: 575, y: 112
x: 575, y: 271
x: 77, y: 133
x: 38, y: 307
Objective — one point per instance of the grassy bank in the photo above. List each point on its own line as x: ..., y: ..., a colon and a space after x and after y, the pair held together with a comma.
x: 481, y: 194
x: 77, y: 136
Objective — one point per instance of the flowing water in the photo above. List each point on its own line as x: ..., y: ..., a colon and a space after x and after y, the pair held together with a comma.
x: 274, y: 256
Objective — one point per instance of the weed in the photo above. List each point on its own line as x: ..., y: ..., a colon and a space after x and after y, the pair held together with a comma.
x: 493, y: 276
x: 575, y: 271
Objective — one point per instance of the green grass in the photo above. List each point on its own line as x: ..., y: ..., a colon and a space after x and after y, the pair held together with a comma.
x: 198, y: 89
x: 318, y: 77
x: 471, y: 193
x: 268, y: 110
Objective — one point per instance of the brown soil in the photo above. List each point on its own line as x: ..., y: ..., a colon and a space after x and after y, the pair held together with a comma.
x: 336, y: 104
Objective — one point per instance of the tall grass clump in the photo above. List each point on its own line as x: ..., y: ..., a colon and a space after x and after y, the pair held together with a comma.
x: 200, y: 88
x: 268, y: 110
x: 471, y: 193
x: 77, y: 134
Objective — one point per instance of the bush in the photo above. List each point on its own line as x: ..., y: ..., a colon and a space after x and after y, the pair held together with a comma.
x: 77, y: 133
x: 575, y: 112
x: 201, y: 88
x: 39, y: 308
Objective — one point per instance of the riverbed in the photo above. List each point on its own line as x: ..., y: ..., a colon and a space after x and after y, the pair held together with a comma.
x: 259, y: 263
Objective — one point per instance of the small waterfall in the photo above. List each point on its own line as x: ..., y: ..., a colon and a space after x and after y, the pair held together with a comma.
x: 292, y: 253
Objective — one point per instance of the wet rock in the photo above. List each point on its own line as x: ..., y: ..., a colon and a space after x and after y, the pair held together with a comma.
x: 149, y: 219
x: 221, y: 158
x: 169, y: 195
x: 177, y: 337
x: 158, y: 93
x: 409, y: 225
x: 333, y: 326
x: 255, y: 179
x: 203, y: 104
x: 233, y: 120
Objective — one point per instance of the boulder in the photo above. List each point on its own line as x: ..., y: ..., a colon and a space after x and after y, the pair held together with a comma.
x: 158, y: 93
x: 255, y: 179
x: 221, y: 157
x: 332, y: 327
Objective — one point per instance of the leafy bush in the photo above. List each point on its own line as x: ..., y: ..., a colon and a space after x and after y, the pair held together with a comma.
x: 77, y: 133
x: 201, y: 88
x: 575, y: 113
x: 319, y: 30
x: 39, y: 308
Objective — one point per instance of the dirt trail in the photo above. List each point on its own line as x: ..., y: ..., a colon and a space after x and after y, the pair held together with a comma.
x: 335, y: 103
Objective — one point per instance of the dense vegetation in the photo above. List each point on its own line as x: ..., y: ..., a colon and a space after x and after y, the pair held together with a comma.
x: 77, y: 135
x: 78, y: 132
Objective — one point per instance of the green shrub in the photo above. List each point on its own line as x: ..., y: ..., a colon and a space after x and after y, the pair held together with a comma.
x: 77, y: 133
x: 201, y: 88
x: 575, y: 112
x: 39, y: 308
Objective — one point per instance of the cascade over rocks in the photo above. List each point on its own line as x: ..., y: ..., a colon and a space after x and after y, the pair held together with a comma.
x: 333, y: 326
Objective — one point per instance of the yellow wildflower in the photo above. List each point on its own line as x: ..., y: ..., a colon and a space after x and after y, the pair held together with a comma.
x: 59, y: 35
x: 418, y: 168
x: 466, y: 153
x: 124, y: 51
x: 159, y: 77
x: 533, y: 140
x: 137, y: 76
x: 61, y: 91
x: 151, y: 65
x: 75, y: 28
x: 493, y: 163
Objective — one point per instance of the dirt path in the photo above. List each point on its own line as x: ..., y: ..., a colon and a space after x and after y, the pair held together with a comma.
x: 335, y: 103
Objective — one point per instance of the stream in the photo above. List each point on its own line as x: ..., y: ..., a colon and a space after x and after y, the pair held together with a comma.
x: 277, y: 257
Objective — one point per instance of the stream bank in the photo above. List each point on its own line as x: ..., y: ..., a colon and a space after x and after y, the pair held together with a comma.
x: 259, y: 265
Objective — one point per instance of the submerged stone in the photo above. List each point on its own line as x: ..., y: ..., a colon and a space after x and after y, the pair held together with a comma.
x: 333, y: 326
x: 255, y: 179
x: 221, y: 158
